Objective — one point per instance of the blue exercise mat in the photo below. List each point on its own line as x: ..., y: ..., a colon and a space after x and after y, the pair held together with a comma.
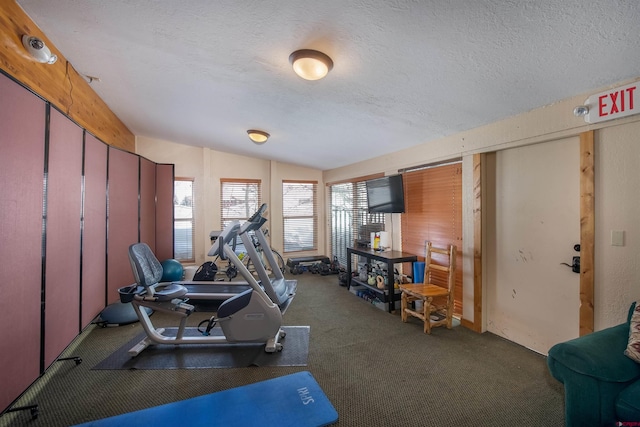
x: 294, y: 400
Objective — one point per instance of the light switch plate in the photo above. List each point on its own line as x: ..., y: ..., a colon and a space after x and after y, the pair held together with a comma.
x: 617, y: 238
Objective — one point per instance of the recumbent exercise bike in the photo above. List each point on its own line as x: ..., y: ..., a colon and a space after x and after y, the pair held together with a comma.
x: 252, y: 316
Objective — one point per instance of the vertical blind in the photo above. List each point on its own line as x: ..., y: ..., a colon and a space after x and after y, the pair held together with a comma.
x: 351, y: 223
x: 433, y: 203
x: 300, y: 215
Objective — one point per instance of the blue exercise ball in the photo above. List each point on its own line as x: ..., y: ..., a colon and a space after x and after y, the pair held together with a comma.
x: 172, y: 270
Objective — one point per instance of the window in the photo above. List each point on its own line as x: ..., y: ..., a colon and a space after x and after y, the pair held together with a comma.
x: 239, y: 199
x: 351, y: 223
x: 183, y: 223
x: 299, y: 214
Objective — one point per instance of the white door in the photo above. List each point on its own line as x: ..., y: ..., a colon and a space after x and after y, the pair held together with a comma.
x: 532, y: 299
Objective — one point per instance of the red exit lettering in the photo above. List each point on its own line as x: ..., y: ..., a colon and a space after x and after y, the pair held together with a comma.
x: 616, y: 102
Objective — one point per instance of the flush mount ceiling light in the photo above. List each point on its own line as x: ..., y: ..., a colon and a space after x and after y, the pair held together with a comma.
x: 258, y: 136
x: 38, y: 50
x: 310, y: 64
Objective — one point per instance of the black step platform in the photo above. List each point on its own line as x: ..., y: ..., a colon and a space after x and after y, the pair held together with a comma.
x: 296, y: 265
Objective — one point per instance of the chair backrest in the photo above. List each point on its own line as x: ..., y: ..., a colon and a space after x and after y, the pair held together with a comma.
x: 147, y: 270
x: 443, y: 268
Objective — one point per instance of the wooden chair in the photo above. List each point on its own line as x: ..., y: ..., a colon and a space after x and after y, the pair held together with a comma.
x: 435, y: 298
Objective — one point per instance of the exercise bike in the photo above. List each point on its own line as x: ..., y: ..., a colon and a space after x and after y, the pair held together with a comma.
x: 252, y: 316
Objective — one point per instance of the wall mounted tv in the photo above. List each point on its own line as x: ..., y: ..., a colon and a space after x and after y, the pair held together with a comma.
x: 386, y: 194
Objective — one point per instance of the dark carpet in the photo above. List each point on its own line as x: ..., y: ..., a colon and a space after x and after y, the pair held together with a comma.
x: 375, y: 369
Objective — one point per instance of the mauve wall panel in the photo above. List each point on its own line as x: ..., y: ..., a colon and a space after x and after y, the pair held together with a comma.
x: 64, y: 206
x: 148, y: 203
x: 164, y: 211
x: 94, y: 238
x: 123, y: 219
x: 22, y: 130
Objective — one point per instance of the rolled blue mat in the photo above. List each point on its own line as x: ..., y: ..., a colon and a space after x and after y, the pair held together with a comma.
x: 418, y: 272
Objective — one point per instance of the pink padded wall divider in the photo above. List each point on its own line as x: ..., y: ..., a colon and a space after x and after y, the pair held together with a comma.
x: 64, y: 205
x: 35, y: 342
x: 148, y: 203
x: 22, y: 121
x: 94, y: 238
x: 122, y: 219
x: 164, y: 211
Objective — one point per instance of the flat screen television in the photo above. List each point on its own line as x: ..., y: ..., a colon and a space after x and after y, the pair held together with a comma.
x: 386, y: 194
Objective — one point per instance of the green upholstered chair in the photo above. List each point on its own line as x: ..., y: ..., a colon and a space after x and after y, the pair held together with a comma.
x: 601, y: 384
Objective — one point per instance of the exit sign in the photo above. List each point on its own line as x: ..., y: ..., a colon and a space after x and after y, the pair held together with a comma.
x: 613, y: 104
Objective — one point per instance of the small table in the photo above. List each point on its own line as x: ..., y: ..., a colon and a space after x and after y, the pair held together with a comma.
x: 389, y: 258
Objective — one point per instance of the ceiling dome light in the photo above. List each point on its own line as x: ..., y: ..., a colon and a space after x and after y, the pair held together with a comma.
x: 258, y: 136
x: 310, y: 64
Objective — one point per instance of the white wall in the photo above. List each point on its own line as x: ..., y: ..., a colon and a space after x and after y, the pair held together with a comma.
x: 207, y: 166
x: 617, y: 207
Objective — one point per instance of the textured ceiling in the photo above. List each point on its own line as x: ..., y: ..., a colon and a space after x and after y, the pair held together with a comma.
x: 405, y: 73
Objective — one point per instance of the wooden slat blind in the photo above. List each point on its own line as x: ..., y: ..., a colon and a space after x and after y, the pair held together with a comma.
x: 433, y: 201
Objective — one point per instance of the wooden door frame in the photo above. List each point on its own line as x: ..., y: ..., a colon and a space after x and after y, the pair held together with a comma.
x: 587, y: 231
x: 476, y: 324
x: 587, y: 237
x: 477, y: 243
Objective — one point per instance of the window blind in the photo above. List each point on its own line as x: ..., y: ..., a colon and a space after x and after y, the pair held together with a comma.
x: 300, y: 215
x: 239, y: 199
x: 433, y: 202
x: 184, y: 223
